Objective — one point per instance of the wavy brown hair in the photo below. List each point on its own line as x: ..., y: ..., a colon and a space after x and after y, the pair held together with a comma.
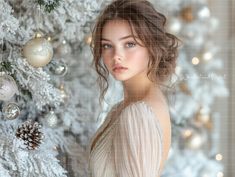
x: 149, y: 26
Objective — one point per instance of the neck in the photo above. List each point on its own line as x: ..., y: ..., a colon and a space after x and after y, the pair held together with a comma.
x: 137, y: 88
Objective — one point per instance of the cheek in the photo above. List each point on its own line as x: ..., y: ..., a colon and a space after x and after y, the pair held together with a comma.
x: 106, y: 60
x: 106, y: 57
x: 140, y: 58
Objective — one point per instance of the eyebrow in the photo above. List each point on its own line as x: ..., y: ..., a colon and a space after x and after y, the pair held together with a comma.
x: 125, y: 37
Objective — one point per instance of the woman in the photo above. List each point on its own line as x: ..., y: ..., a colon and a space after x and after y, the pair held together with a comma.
x: 130, y: 43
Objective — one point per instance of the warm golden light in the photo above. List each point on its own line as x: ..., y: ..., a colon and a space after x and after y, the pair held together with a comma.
x: 218, y: 157
x: 187, y: 133
x: 88, y: 39
x: 49, y: 38
x: 195, y: 61
x: 207, y: 56
x: 220, y: 174
x: 38, y: 34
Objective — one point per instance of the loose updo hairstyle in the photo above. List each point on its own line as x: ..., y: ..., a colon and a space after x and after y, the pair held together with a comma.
x: 149, y: 26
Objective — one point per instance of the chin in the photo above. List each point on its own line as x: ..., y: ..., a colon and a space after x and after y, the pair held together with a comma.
x: 121, y: 77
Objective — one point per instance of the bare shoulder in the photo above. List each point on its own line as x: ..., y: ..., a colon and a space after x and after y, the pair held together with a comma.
x: 159, y: 105
x: 161, y: 110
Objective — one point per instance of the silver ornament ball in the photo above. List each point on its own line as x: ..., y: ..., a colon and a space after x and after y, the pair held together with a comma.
x: 11, y: 111
x: 38, y: 52
x: 8, y: 87
x: 59, y: 68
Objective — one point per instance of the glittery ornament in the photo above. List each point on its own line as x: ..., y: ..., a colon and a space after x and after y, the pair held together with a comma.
x: 59, y: 68
x: 31, y: 134
x: 11, y: 111
x: 38, y: 52
x: 51, y: 119
x: 8, y: 87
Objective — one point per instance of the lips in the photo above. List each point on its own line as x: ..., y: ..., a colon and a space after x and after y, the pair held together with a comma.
x: 119, y: 68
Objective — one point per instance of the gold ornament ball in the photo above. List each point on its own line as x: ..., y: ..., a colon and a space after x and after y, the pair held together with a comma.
x: 184, y: 88
x: 38, y: 52
x: 187, y: 14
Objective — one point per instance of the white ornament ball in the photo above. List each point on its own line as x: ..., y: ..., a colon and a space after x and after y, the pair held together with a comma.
x: 8, y: 87
x: 38, y: 52
x: 203, y: 12
x: 63, y: 49
x: 51, y: 119
x: 11, y: 111
x: 174, y: 25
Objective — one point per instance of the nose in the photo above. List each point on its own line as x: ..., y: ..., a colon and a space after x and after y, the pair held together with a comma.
x: 118, y: 55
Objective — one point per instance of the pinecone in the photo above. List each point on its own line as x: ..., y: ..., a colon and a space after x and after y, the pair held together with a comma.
x: 30, y: 133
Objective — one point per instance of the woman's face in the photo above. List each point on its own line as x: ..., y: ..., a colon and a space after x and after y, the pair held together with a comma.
x: 123, y: 57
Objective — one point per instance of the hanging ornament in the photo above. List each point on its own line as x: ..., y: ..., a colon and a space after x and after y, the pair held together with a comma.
x: 38, y: 52
x: 63, y: 94
x: 59, y: 68
x: 51, y: 119
x: 8, y: 87
x: 187, y: 14
x: 31, y: 134
x: 11, y: 111
x: 63, y: 49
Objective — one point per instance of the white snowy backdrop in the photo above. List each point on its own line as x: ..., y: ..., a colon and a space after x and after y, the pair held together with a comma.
x: 49, y: 97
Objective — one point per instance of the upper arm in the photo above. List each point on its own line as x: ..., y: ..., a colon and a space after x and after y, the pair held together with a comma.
x: 137, y: 143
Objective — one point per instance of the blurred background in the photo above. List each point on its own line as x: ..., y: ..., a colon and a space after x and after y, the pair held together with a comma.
x: 49, y: 107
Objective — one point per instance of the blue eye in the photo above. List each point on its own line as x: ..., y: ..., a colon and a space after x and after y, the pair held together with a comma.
x: 106, y: 46
x: 130, y: 44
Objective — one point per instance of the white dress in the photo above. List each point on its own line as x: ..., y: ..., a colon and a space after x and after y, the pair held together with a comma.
x: 130, y: 146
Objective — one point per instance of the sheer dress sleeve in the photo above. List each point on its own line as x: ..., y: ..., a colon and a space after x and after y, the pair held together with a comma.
x: 137, y: 142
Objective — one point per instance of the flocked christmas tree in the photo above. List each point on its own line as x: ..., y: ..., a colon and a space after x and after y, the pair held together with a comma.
x: 49, y: 97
